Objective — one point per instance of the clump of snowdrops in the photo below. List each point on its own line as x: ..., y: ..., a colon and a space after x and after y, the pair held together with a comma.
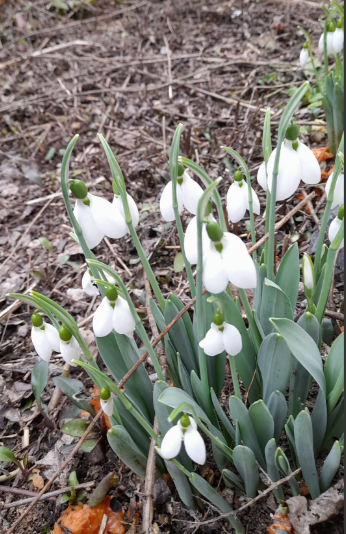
x: 273, y: 359
x: 330, y: 79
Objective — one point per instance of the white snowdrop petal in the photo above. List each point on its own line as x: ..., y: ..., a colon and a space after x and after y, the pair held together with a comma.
x: 70, y: 351
x: 52, y: 336
x: 214, y: 274
x: 333, y: 230
x: 339, y: 192
x: 242, y: 272
x: 308, y: 273
x: 213, y: 344
x: 166, y: 202
x: 232, y: 339
x: 311, y: 170
x: 191, y: 193
x: 103, y: 319
x: 171, y: 443
x: 91, y: 232
x: 195, y: 446
x: 255, y: 200
x: 304, y: 56
x: 321, y: 43
x: 123, y: 322
x: 236, y: 203
x: 338, y: 40
x: 88, y: 286
x: 330, y: 43
x: 132, y: 207
x: 262, y: 176
x: 190, y: 242
x: 108, y: 219
x: 290, y: 172
x: 107, y: 406
x: 41, y: 343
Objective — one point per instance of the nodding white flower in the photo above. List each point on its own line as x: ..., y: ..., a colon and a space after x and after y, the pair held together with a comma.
x: 339, y: 192
x: 190, y: 240
x: 262, y: 176
x: 304, y: 56
x: 227, y: 260
x: 221, y: 337
x: 113, y: 314
x: 90, y: 286
x: 335, y: 227
x: 330, y: 40
x: 188, y: 194
x: 297, y: 163
x: 69, y: 346
x: 119, y: 207
x: 185, y: 431
x: 238, y: 199
x: 45, y: 337
x: 308, y: 272
x: 106, y: 401
x: 338, y: 38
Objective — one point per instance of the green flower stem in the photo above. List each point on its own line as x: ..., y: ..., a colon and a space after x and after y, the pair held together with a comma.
x: 256, y: 336
x: 324, y: 223
x: 182, y: 241
x: 267, y: 151
x: 182, y: 468
x: 267, y: 225
x: 139, y: 326
x: 235, y: 377
x: 329, y: 273
x: 127, y: 404
x: 207, y: 182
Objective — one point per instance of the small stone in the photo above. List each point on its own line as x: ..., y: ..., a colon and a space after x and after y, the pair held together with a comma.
x: 161, y: 492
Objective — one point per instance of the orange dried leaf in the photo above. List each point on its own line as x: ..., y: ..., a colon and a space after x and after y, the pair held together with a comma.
x: 80, y: 519
x: 281, y: 522
x: 304, y: 490
x: 322, y: 154
x: 38, y: 481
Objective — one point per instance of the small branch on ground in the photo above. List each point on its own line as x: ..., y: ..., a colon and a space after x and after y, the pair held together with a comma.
x: 46, y: 497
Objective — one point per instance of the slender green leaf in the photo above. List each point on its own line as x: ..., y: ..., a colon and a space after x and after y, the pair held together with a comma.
x: 275, y: 364
x: 245, y: 462
x: 288, y: 275
x: 272, y: 470
x: 277, y: 406
x: 182, y: 485
x: 174, y: 397
x: 283, y: 465
x: 226, y: 423
x: 319, y: 420
x: 6, y: 455
x: 263, y: 423
x: 232, y: 480
x: 331, y: 466
x: 184, y: 376
x: 275, y: 303
x: 47, y: 244
x: 39, y: 380
x: 305, y: 452
x: 124, y: 447
x: 180, y: 337
x: 335, y: 363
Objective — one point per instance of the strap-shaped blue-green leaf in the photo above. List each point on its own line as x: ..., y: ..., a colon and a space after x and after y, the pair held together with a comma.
x: 245, y: 462
x: 305, y: 451
x: 184, y: 376
x: 39, y: 380
x: 133, y: 427
x: 277, y: 406
x: 174, y: 397
x: 288, y: 274
x: 275, y: 303
x: 335, y: 365
x: 319, y: 419
x: 124, y: 447
x: 226, y: 423
x: 232, y: 480
x: 272, y: 470
x: 261, y: 275
x: 180, y: 337
x: 246, y: 359
x: 283, y: 465
x: 74, y: 389
x: 275, y: 363
x: 335, y: 426
x: 239, y: 412
x: 263, y: 423
x: 330, y: 466
x: 182, y: 485
x: 188, y: 324
x: 212, y: 495
x: 338, y: 110
x: 327, y: 331
x: 197, y: 389
x: 172, y: 362
x: 158, y: 315
x: 303, y: 348
x: 289, y: 429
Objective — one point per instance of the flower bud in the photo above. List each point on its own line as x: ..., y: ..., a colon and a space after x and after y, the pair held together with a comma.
x: 308, y: 273
x: 292, y: 132
x: 238, y: 176
x: 79, y: 189
x: 341, y: 213
x: 218, y: 319
x: 214, y: 232
x: 185, y: 421
x: 105, y: 394
x: 112, y: 294
x: 65, y: 334
x: 37, y: 320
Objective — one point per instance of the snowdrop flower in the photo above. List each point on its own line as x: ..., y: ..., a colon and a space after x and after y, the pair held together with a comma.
x: 185, y: 431
x: 69, y: 346
x: 297, y: 163
x: 190, y: 240
x: 304, y: 56
x: 221, y: 337
x: 338, y: 38
x: 335, y: 227
x: 227, y: 260
x: 96, y: 216
x: 238, y: 199
x: 262, y: 176
x: 188, y: 194
x: 106, y: 401
x: 45, y: 337
x: 113, y: 313
x: 330, y: 40
x: 119, y: 208
x: 308, y: 276
x: 339, y: 193
x: 90, y: 286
